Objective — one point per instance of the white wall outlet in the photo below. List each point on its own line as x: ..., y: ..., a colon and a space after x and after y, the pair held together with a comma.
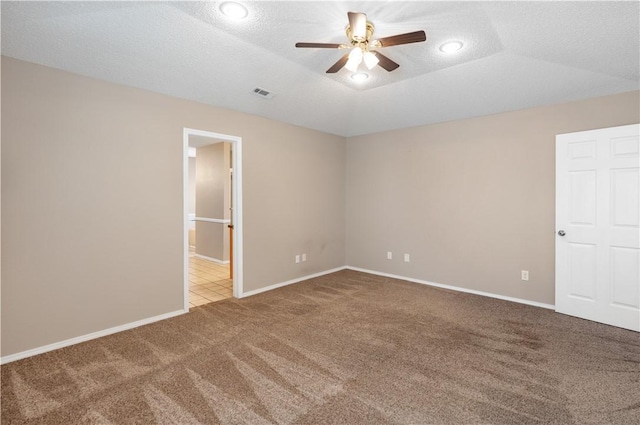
x: 389, y: 255
x: 297, y: 259
x: 406, y: 258
x: 304, y: 257
x: 524, y: 274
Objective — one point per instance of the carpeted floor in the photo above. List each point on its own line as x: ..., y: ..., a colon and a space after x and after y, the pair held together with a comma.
x: 346, y: 348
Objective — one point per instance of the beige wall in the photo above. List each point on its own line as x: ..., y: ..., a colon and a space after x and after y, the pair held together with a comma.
x: 471, y: 201
x: 92, y: 181
x: 212, y: 194
x: 192, y: 200
x: 192, y: 185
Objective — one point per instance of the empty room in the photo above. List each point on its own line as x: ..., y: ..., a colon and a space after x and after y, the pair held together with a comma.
x: 320, y: 212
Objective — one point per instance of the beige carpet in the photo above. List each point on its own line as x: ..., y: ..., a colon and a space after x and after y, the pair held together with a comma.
x: 347, y: 348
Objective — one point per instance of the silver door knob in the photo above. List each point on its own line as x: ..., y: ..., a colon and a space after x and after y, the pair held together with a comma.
x: 561, y: 232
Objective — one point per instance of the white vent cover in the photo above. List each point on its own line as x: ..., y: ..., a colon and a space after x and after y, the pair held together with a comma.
x: 265, y: 94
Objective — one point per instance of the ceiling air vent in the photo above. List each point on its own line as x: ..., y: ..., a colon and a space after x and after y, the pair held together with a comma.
x: 265, y: 94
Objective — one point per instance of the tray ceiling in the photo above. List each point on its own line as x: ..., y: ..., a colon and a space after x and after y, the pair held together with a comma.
x: 515, y: 55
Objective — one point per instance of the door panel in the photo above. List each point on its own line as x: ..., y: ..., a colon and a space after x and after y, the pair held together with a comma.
x: 622, y: 147
x: 582, y: 258
x: 624, y: 197
x: 582, y: 210
x: 598, y: 208
x: 625, y: 264
x: 585, y: 149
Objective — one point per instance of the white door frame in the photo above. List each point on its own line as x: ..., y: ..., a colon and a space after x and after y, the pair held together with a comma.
x: 236, y: 212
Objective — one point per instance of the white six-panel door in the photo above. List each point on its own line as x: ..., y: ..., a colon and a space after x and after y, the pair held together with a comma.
x: 598, y: 225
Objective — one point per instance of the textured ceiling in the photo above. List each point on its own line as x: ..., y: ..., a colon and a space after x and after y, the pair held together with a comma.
x: 516, y: 55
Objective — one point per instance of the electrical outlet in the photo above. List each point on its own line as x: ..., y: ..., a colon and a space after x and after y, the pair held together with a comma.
x: 389, y: 255
x: 297, y: 259
x: 524, y: 274
x: 406, y: 258
x: 304, y: 257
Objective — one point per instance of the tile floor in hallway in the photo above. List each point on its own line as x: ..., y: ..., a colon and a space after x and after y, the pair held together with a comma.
x: 208, y: 281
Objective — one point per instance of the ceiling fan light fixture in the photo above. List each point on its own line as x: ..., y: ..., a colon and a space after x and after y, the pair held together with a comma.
x: 370, y: 60
x: 451, y: 46
x: 355, y: 58
x: 356, y: 54
x: 352, y: 65
x: 359, y: 77
x: 233, y: 10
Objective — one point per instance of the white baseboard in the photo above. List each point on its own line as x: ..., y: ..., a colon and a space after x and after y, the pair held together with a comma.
x: 215, y: 260
x: 290, y: 282
x: 456, y: 288
x: 87, y: 337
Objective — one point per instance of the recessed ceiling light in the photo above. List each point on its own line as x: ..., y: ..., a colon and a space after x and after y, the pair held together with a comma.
x: 451, y: 46
x: 233, y: 10
x: 359, y: 77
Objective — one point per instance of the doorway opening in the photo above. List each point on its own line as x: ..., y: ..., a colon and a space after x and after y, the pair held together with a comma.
x: 212, y: 217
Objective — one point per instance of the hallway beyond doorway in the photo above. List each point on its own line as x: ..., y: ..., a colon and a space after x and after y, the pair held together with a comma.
x: 208, y: 281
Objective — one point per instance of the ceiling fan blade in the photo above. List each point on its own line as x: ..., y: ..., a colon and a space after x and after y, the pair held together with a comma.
x: 385, y: 62
x: 394, y: 40
x: 338, y: 65
x: 358, y: 24
x: 322, y: 45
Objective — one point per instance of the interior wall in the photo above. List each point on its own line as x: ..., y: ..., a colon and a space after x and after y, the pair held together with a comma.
x: 212, y: 192
x: 92, y: 206
x: 226, y: 201
x: 192, y: 185
x: 192, y: 201
x: 471, y: 201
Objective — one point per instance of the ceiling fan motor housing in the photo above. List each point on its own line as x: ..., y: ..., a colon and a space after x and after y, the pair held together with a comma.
x: 356, y: 40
